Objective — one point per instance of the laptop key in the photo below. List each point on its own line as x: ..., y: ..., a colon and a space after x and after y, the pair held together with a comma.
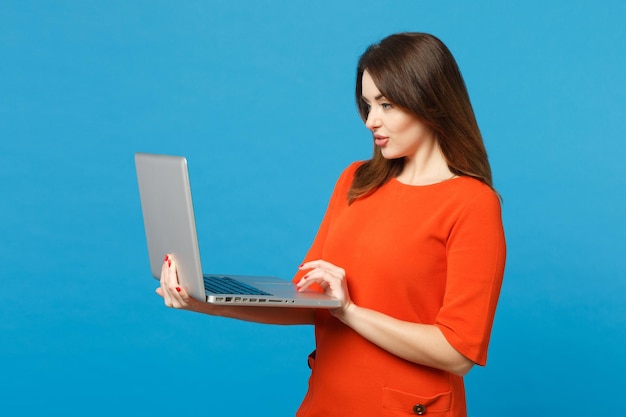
x: 227, y: 285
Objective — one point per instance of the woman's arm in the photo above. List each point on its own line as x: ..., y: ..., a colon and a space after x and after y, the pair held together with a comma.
x: 177, y: 297
x: 415, y: 342
x: 419, y: 343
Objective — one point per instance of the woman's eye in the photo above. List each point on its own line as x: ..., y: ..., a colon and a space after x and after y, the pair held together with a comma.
x: 386, y: 106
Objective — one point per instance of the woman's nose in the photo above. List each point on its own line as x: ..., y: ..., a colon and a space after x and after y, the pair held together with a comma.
x: 372, y: 121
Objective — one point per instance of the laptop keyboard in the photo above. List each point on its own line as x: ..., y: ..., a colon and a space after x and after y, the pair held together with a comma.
x: 226, y: 285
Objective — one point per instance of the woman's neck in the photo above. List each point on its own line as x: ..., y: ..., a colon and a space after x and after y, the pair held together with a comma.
x: 426, y: 167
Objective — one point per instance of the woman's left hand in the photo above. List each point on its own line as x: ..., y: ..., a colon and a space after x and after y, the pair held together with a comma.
x: 331, y: 278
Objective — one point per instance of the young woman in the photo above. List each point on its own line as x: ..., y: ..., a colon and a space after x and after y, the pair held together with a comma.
x: 412, y: 244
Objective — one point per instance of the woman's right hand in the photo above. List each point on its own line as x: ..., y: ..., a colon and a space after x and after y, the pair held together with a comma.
x: 173, y: 294
x: 176, y: 296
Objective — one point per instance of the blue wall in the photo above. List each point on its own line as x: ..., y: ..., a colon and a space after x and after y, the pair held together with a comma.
x: 259, y: 98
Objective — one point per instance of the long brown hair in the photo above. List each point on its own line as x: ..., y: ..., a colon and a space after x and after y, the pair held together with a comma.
x: 417, y: 72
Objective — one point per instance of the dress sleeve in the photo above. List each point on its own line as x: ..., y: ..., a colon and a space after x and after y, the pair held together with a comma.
x: 338, y: 196
x: 476, y: 253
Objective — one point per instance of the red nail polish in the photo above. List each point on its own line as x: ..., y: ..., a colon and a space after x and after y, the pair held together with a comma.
x: 178, y: 289
x: 169, y: 262
x: 166, y: 256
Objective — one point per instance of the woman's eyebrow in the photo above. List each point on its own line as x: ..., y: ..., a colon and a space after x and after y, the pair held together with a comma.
x: 378, y: 97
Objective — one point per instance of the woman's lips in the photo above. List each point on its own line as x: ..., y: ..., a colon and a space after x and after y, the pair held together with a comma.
x: 381, y: 140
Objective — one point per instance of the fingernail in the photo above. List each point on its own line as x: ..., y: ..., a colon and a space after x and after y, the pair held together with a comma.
x: 166, y: 256
x: 178, y: 289
x: 169, y: 262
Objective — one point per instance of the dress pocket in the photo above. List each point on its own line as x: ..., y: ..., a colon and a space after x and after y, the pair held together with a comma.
x: 398, y: 403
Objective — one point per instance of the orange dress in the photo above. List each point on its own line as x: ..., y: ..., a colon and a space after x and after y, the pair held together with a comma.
x: 430, y: 254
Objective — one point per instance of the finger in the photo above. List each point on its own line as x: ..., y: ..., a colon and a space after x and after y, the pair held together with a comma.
x: 312, y: 264
x: 326, y: 274
x: 322, y: 264
x: 173, y: 286
x: 169, y: 283
x: 321, y: 277
x: 165, y: 277
x: 177, y: 299
x: 183, y: 300
x: 304, y: 283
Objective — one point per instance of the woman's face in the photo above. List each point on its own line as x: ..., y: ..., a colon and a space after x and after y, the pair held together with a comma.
x: 397, y: 132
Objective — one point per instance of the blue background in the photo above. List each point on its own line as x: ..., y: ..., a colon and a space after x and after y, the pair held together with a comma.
x: 259, y: 97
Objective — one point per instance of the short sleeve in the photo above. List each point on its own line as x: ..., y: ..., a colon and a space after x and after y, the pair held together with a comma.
x: 476, y: 252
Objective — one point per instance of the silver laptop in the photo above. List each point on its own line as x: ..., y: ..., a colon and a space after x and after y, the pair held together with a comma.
x: 170, y: 227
